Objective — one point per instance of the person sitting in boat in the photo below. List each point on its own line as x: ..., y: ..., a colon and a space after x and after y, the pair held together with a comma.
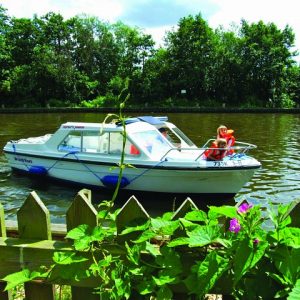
x: 227, y: 134
x: 164, y: 132
x: 217, y: 151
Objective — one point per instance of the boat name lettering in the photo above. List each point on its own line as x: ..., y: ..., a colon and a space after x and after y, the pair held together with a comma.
x: 74, y: 127
x: 24, y: 160
x: 237, y: 162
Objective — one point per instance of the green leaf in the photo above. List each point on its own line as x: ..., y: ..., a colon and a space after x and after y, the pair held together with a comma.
x: 203, y: 236
x: 103, y: 213
x: 99, y: 233
x: 64, y: 258
x: 162, y: 280
x: 188, y: 225
x: 167, y: 216
x: 196, y: 216
x: 164, y: 293
x: 227, y: 211
x: 170, y: 261
x: 21, y: 277
x: 207, y: 273
x: 146, y: 287
x: 133, y: 254
x: 285, y: 222
x: 105, y: 262
x: 247, y: 256
x: 164, y: 227
x: 295, y: 293
x: 136, y: 271
x: 278, y: 278
x: 152, y: 249
x: 179, y: 242
x: 136, y: 228
x: 79, y: 232
x: 83, y: 243
x: 145, y: 236
x: 290, y: 236
x: 287, y: 261
x: 123, y: 288
x: 223, y: 242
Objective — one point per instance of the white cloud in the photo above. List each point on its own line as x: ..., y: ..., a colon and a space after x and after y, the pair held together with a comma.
x: 281, y: 13
x: 107, y: 10
x: 158, y: 33
x: 25, y: 9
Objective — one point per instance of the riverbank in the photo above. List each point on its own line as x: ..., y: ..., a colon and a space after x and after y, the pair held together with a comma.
x: 150, y: 110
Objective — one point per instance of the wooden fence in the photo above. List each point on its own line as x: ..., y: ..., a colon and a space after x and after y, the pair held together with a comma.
x: 34, y: 244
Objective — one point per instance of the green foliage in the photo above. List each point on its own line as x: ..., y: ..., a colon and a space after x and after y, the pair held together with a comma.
x: 98, y: 102
x: 23, y: 276
x: 84, y: 61
x: 196, y: 255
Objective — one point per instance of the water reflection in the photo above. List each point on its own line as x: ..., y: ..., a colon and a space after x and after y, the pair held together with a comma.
x: 276, y: 135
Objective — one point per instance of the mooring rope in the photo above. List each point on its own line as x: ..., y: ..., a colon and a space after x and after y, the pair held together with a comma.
x: 86, y: 166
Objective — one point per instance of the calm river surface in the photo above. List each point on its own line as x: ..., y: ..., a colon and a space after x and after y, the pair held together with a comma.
x: 276, y: 135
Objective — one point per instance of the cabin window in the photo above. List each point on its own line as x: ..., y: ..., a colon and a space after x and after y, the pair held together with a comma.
x: 171, y: 137
x: 97, y: 142
x: 116, y: 144
x: 72, y: 142
x: 152, y: 142
x: 184, y: 137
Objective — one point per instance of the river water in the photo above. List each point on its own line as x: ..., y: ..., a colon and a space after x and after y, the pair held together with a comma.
x: 276, y: 137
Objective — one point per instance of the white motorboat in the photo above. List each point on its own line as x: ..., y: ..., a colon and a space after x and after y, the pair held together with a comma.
x: 88, y: 154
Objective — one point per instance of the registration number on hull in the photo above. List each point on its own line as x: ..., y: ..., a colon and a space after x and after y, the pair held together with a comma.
x: 227, y: 163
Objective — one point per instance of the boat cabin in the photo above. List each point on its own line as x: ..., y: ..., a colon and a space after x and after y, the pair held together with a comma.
x: 141, y: 139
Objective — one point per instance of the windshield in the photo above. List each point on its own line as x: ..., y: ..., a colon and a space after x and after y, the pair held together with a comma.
x: 183, y: 137
x: 152, y: 142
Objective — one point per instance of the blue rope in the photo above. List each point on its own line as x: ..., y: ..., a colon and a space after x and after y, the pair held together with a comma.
x: 71, y: 152
x: 88, y: 168
x: 147, y: 170
x: 74, y: 153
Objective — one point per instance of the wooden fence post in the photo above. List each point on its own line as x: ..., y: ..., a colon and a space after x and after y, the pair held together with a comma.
x: 3, y: 295
x: 80, y: 212
x: 187, y: 206
x: 132, y: 211
x: 34, y: 223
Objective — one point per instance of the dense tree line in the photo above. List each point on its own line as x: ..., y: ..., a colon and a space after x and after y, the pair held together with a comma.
x: 83, y: 61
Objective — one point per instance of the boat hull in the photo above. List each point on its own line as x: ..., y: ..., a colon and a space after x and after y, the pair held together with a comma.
x: 140, y: 178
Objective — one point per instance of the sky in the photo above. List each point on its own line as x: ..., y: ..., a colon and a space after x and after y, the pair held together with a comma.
x: 155, y: 17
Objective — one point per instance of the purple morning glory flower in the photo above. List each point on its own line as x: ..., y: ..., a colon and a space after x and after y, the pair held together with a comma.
x: 234, y: 225
x: 244, y: 208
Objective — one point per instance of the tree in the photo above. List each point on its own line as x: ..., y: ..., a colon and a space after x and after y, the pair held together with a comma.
x: 5, y: 56
x: 133, y: 49
x: 266, y: 56
x: 190, y: 50
x: 226, y: 73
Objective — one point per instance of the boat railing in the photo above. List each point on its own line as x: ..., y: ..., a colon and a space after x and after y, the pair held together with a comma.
x: 240, y: 147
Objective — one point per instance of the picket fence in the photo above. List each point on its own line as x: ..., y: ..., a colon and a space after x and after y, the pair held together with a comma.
x: 34, y: 243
